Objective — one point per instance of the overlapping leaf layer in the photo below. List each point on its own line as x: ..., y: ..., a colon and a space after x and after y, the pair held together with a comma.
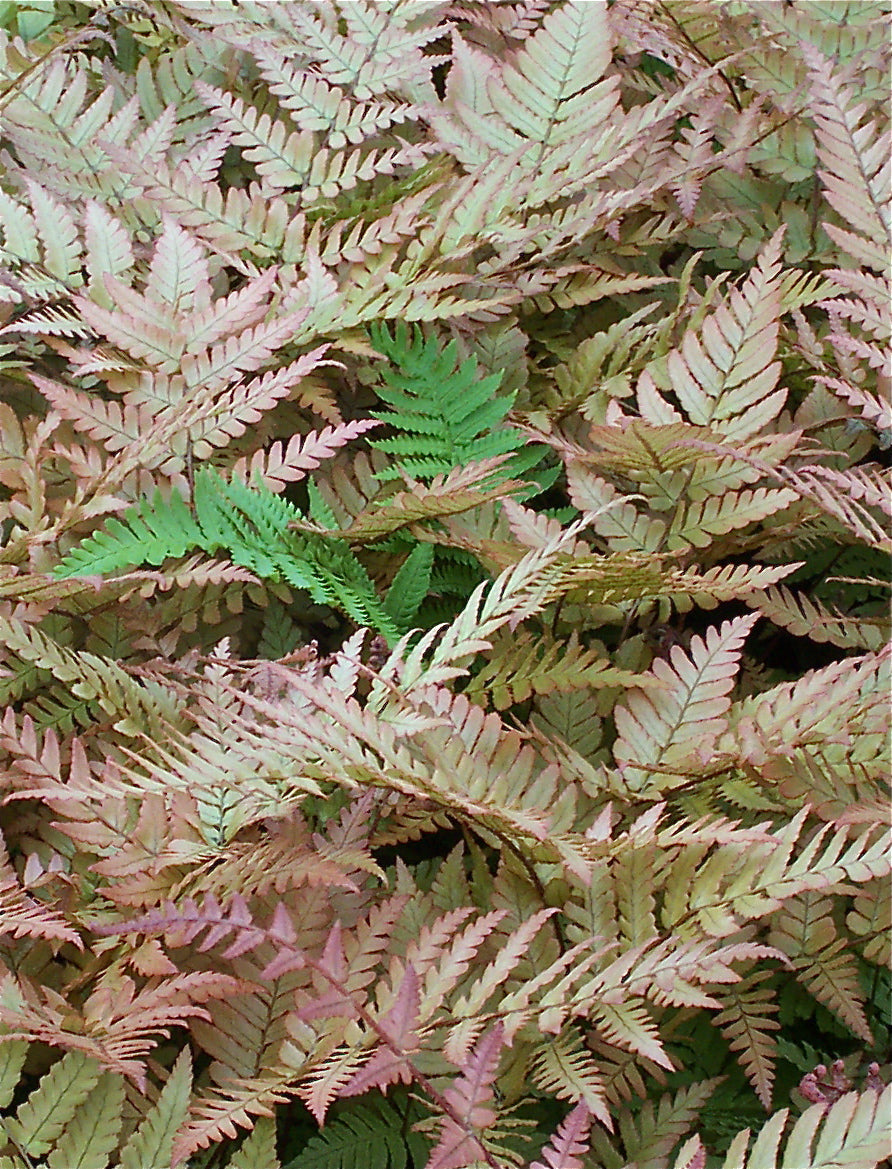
x: 444, y: 542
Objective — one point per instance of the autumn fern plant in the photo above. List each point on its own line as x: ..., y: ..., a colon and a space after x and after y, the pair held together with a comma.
x: 444, y: 542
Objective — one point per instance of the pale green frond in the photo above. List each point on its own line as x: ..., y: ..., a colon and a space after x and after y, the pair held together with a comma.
x: 517, y: 593
x: 136, y: 706
x: 316, y: 104
x: 92, y: 1133
x: 178, y: 274
x: 281, y: 158
x: 699, y: 524
x: 379, y: 52
x: 816, y: 707
x: 630, y: 1026
x: 724, y: 376
x: 150, y: 1145
x: 550, y: 94
x: 109, y: 250
x: 20, y: 240
x: 857, y: 171
x: 523, y: 665
x: 46, y: 1114
x: 651, y: 1135
x: 59, y: 236
x: 868, y: 920
x: 13, y: 1053
x: 707, y: 588
x: 855, y: 1132
x: 634, y: 874
x: 258, y: 1149
x: 617, y: 520
x: 806, y: 932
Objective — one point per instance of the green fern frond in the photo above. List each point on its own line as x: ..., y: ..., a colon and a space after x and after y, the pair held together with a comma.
x: 446, y: 416
x: 252, y: 524
x: 747, y: 1022
x: 13, y: 1054
x: 565, y: 1067
x: 92, y: 1132
x: 410, y: 586
x: 146, y: 534
x: 368, y: 1136
x: 651, y: 1132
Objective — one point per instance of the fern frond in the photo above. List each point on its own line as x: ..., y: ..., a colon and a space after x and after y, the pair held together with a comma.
x: 857, y: 172
x: 470, y: 1101
x: 651, y: 1135
x: 317, y: 104
x: 568, y: 1143
x: 699, y: 523
x: 513, y: 948
x: 805, y: 930
x: 282, y: 160
x: 253, y: 525
x: 379, y: 52
x: 447, y: 417
x: 747, y: 1023
x: 58, y: 235
x: 22, y: 915
x: 524, y: 665
x: 809, y: 618
x: 92, y: 1132
x: 547, y: 96
x: 460, y: 490
x: 44, y: 1116
x: 687, y: 714
x: 151, y: 1144
x: 517, y: 593
x: 221, y: 1110
x: 258, y: 1150
x: 137, y: 707
x: 854, y: 1131
x: 868, y: 919
x: 565, y: 1068
x: 410, y: 586
x: 856, y: 496
x: 616, y: 518
x: 821, y: 704
x: 369, y: 1135
x: 289, y: 463
x: 724, y: 582
x: 147, y: 533
x: 212, y: 418
x: 725, y: 375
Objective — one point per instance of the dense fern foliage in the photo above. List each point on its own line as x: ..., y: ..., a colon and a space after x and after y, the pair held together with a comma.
x: 444, y: 565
